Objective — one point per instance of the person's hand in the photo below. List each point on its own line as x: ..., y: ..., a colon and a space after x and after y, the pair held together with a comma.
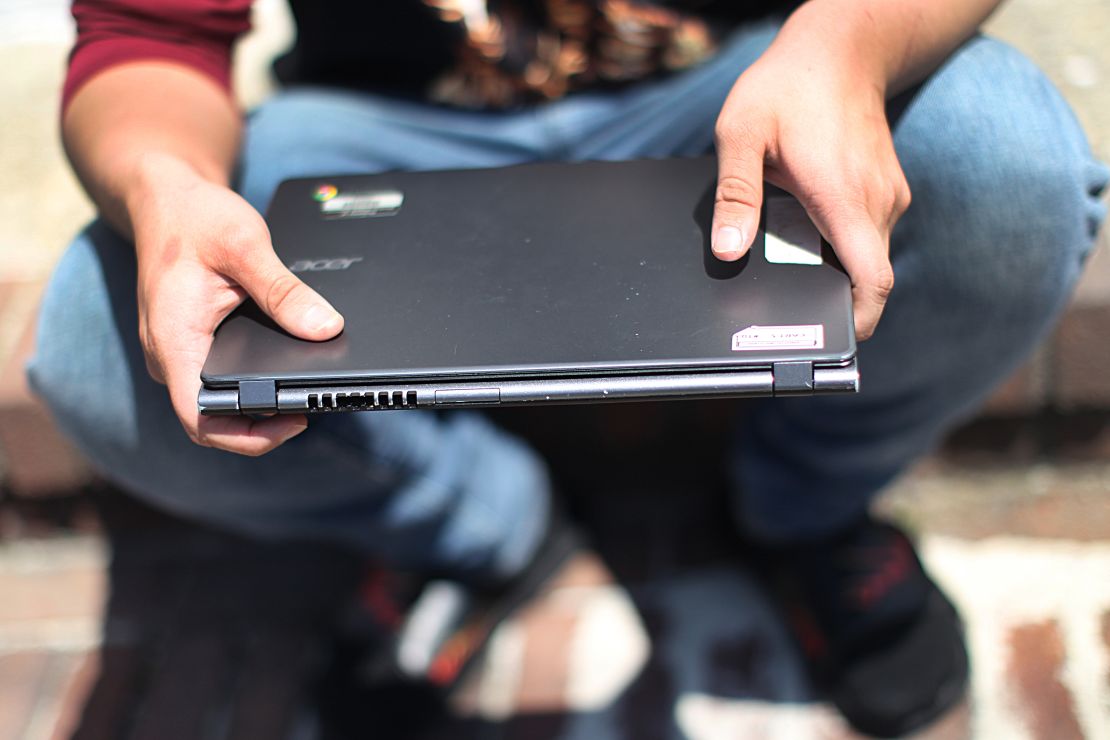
x: 201, y: 250
x: 810, y: 118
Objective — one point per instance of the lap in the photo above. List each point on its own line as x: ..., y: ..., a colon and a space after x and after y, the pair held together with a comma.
x: 988, y: 145
x: 1003, y: 182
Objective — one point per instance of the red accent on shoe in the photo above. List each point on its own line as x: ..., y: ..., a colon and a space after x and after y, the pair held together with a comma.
x: 896, y: 561
x: 808, y: 634
x: 375, y: 595
x: 446, y: 665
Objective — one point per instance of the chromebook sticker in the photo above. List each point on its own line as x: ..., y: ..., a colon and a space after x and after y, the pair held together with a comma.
x: 335, y: 203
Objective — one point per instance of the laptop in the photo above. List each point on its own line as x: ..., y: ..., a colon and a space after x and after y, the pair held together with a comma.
x: 536, y: 284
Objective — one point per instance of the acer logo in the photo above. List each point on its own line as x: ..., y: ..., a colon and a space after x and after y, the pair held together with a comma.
x: 335, y: 263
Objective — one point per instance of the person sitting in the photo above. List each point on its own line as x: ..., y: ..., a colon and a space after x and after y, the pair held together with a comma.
x: 851, y: 107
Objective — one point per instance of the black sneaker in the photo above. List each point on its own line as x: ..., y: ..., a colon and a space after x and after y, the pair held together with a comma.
x: 882, y: 641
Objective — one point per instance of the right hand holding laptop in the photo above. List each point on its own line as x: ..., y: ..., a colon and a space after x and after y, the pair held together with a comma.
x: 202, y: 250
x: 810, y: 117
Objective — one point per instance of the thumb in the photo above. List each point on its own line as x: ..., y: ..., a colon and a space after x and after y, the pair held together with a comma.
x: 739, y: 197
x: 297, y: 308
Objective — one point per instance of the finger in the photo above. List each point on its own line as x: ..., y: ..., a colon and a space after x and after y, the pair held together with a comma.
x: 247, y: 436
x: 239, y: 434
x: 297, y: 308
x: 863, y: 249
x: 739, y: 193
x: 182, y: 366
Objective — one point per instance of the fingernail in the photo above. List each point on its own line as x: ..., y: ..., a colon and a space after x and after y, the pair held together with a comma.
x: 322, y: 318
x: 727, y: 241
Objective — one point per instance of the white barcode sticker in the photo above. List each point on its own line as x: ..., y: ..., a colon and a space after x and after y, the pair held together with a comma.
x: 790, y: 237
x: 807, y: 336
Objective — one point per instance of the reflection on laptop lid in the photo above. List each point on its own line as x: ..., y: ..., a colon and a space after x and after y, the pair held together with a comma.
x: 539, y: 283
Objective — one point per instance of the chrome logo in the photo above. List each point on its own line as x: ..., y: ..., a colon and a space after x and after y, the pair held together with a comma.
x: 325, y: 193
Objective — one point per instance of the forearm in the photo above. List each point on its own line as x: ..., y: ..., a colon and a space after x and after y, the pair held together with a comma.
x: 897, y: 42
x: 134, y: 120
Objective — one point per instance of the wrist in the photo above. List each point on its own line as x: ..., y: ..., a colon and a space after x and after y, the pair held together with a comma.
x: 850, y: 37
x: 155, y: 178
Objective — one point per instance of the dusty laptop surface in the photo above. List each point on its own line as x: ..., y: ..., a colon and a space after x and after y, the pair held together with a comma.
x: 541, y: 283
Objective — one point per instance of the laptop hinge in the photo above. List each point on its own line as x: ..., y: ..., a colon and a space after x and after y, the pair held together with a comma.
x: 792, y: 378
x: 258, y: 397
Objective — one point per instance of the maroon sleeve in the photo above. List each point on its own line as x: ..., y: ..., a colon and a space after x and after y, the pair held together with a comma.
x: 196, y: 33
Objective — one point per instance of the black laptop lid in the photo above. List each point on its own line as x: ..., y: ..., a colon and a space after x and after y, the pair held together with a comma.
x: 547, y: 268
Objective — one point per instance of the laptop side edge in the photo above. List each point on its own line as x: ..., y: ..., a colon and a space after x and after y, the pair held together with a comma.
x: 783, y: 378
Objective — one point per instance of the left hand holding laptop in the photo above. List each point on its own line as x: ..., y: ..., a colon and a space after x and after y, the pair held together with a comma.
x: 201, y: 250
x: 155, y: 143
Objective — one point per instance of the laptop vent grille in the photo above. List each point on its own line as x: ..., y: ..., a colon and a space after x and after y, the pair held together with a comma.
x: 356, y: 401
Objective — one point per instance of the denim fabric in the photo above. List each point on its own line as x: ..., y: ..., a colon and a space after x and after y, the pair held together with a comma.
x: 1005, y: 209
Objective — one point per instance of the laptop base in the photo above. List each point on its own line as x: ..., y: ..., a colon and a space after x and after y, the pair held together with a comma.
x: 783, y: 379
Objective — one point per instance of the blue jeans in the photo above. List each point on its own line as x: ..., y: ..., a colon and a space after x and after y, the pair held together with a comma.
x: 1005, y: 210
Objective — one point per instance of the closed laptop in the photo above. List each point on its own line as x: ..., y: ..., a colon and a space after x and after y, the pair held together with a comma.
x: 538, y: 283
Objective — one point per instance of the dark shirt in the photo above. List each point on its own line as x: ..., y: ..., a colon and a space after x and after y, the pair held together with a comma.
x: 495, y: 54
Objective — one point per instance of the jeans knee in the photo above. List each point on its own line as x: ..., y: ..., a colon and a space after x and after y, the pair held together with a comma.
x: 79, y: 367
x: 52, y: 365
x: 1006, y: 190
